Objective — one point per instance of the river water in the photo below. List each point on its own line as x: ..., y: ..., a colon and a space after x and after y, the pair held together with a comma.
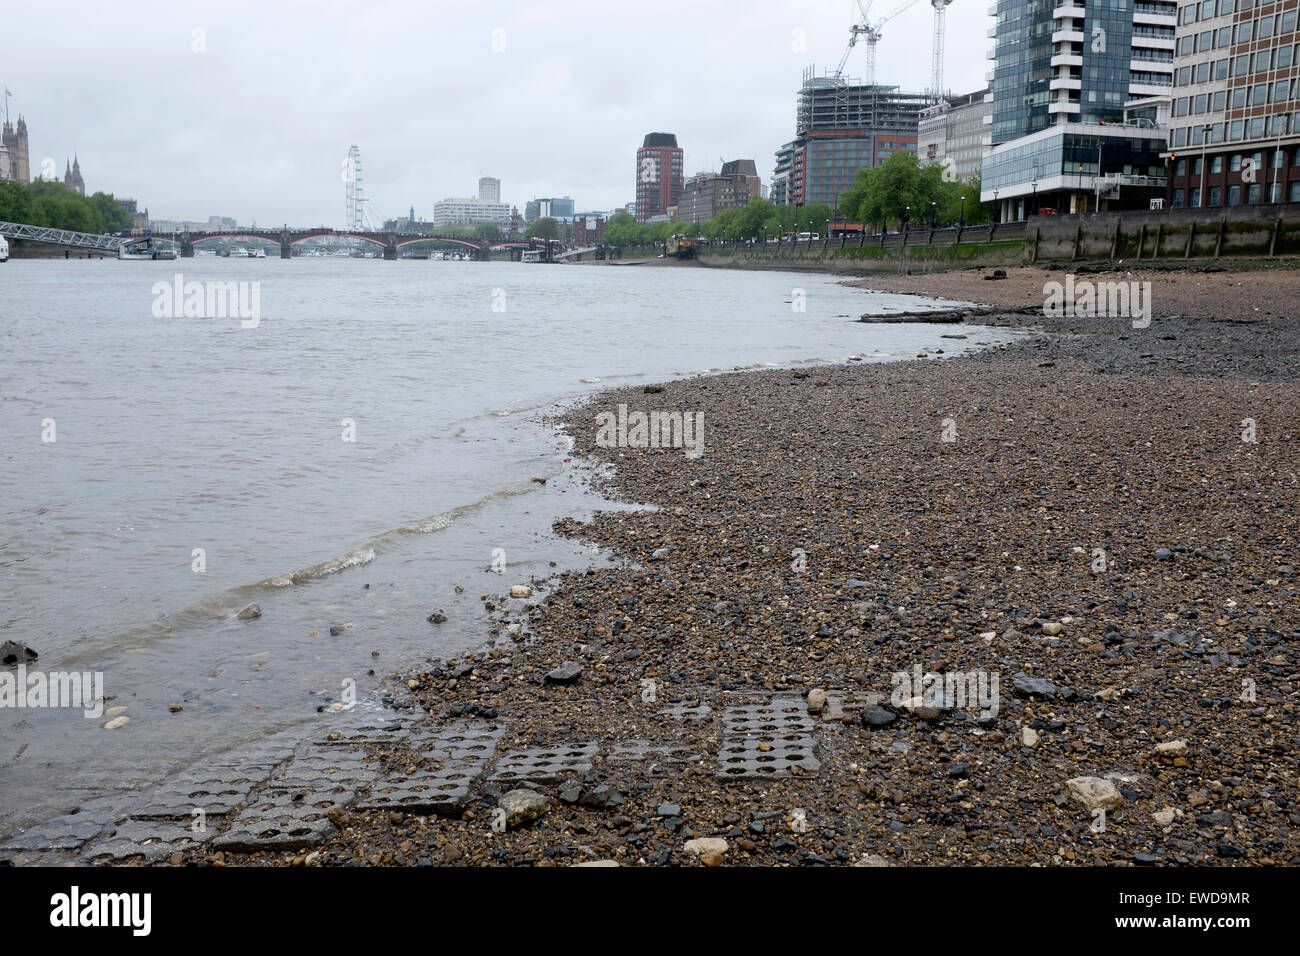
x: 348, y: 458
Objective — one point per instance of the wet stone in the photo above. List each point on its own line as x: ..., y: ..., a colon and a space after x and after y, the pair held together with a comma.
x: 767, y: 740
x: 545, y: 764
x: 151, y: 839
x: 460, y: 753
x: 686, y: 712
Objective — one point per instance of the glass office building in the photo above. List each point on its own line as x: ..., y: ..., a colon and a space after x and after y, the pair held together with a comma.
x: 1063, y: 72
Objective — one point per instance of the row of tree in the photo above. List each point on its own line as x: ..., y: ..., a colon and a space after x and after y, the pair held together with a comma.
x: 898, y: 194
x: 50, y: 203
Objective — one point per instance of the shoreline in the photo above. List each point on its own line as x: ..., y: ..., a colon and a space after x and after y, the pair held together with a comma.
x: 975, y: 568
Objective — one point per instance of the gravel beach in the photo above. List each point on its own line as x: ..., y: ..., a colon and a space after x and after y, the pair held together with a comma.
x: 1089, y: 536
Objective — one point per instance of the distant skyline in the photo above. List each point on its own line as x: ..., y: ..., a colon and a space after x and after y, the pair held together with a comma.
x: 248, y: 109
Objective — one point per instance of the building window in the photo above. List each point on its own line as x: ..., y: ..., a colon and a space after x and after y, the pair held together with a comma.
x: 1178, y: 198
x: 1252, y: 195
x: 1234, y: 164
x: 1279, y: 158
x: 1216, y: 166
x: 1293, y: 191
x: 1196, y: 197
x: 1214, y: 195
x: 1196, y: 166
x: 1234, y: 195
x: 1180, y: 168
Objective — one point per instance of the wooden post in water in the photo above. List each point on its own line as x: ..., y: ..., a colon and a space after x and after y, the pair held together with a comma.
x: 1078, y: 237
x: 1277, y: 234
x: 1191, y: 239
x: 1142, y: 240
x: 1218, y: 242
x: 1160, y: 234
x: 1114, y: 242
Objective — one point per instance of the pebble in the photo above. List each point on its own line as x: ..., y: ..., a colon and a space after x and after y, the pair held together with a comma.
x: 1094, y: 793
x: 249, y: 612
x: 566, y: 673
x: 1172, y: 748
x: 1164, y: 554
x: 702, y: 845
x: 816, y: 700
x: 1163, y: 817
x: 1029, y: 737
x: 878, y: 717
x: 520, y: 591
x: 659, y: 554
x: 1051, y: 628
x: 117, y: 723
x: 1033, y: 687
x: 523, y: 807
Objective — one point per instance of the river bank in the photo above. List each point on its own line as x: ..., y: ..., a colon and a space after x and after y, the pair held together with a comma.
x: 1083, y: 517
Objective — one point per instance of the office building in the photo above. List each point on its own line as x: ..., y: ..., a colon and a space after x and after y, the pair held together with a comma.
x: 1062, y: 77
x: 705, y: 195
x: 489, y: 189
x: 952, y: 134
x: 1234, y: 132
x: 659, y: 175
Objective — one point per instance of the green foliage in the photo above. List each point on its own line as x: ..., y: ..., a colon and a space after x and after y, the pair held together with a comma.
x: 487, y: 230
x: 50, y: 203
x: 544, y: 228
x: 881, y: 196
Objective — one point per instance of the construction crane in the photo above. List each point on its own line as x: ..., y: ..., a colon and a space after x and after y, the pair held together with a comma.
x: 871, y: 31
x: 936, y: 55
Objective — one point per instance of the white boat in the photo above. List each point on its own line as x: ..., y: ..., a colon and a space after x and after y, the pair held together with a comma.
x: 4, y: 249
x: 146, y: 249
x: 531, y: 255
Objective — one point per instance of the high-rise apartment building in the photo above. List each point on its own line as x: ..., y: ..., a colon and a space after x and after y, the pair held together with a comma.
x: 952, y: 133
x: 1234, y: 129
x: 489, y: 189
x: 1063, y: 71
x: 842, y: 126
x: 659, y: 176
x: 705, y: 195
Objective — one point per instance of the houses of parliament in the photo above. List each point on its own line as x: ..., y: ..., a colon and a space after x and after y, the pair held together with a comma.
x: 15, y: 159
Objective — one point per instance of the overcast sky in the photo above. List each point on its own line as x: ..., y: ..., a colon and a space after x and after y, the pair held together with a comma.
x: 252, y: 115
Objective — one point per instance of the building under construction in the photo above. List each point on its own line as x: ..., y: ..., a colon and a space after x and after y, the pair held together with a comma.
x: 841, y: 126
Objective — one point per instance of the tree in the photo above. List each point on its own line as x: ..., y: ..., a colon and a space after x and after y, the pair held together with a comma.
x: 487, y: 230
x: 16, y: 203
x: 544, y: 228
x: 112, y: 214
x: 621, y: 230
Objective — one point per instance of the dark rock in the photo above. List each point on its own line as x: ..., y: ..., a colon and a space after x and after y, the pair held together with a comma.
x: 12, y: 653
x: 878, y: 717
x: 1164, y: 554
x: 249, y: 612
x: 566, y: 673
x: 571, y: 791
x: 602, y: 797
x: 437, y: 617
x: 670, y: 810
x: 1033, y: 687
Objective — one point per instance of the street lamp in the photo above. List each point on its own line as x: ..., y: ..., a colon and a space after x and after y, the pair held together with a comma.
x: 1035, y: 185
x: 963, y: 211
x: 1205, y: 145
x: 934, y: 214
x: 997, y: 210
x: 908, y: 221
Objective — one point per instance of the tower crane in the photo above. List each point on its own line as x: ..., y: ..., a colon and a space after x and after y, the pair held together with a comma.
x: 871, y: 32
x: 936, y: 55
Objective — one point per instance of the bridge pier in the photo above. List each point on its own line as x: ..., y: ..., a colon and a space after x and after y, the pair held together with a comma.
x: 187, y: 247
x: 286, y: 247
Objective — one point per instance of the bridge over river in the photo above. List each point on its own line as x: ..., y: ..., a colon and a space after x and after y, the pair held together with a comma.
x: 286, y: 239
